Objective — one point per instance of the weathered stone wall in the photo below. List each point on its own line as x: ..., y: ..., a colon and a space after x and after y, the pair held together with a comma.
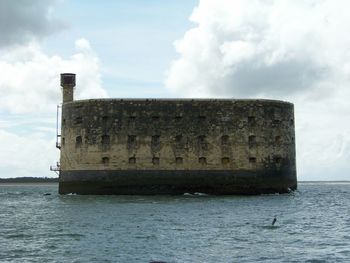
x: 198, y: 134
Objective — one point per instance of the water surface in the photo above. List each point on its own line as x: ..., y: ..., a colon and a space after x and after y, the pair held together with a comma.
x: 313, y: 225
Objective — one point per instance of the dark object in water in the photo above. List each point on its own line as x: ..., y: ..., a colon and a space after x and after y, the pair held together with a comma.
x: 274, y: 220
x: 47, y: 194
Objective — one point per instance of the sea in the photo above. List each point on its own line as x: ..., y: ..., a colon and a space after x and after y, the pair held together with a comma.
x: 38, y: 225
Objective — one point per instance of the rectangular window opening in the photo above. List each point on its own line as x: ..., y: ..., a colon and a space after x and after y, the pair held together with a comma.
x: 132, y: 160
x: 179, y: 160
x: 252, y: 140
x: 78, y: 142
x: 251, y: 120
x: 105, y: 160
x: 252, y: 159
x: 78, y: 120
x: 131, y: 139
x: 202, y: 160
x: 178, y: 138
x: 276, y: 122
x: 278, y: 139
x: 105, y: 140
x: 202, y: 118
x: 155, y: 139
x: 278, y: 159
x: 225, y: 161
x: 225, y: 139
x: 201, y: 138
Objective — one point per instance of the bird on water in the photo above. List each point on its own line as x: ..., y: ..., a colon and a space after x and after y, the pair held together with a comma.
x: 274, y: 220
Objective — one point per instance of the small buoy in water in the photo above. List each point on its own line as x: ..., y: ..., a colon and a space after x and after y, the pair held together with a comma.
x: 274, y: 220
x: 47, y: 194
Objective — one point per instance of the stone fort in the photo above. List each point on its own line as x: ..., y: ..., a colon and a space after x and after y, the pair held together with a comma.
x: 175, y: 146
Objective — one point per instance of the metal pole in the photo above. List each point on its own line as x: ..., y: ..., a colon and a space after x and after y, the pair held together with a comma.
x: 57, y: 125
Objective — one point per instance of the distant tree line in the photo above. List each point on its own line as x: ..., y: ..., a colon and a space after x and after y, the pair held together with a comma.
x: 29, y: 180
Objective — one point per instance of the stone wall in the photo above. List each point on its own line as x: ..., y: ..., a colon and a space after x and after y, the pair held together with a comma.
x: 199, y: 134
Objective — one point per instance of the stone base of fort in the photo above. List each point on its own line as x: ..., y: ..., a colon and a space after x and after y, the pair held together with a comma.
x: 175, y: 182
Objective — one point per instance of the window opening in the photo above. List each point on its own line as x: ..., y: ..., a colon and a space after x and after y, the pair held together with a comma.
x: 178, y: 138
x: 201, y: 138
x: 252, y: 140
x: 155, y: 118
x: 155, y: 139
x: 179, y: 160
x: 224, y: 139
x: 202, y: 160
x: 105, y: 139
x: 225, y: 160
x: 78, y: 141
x: 252, y: 159
x: 78, y: 120
x: 251, y: 120
x: 105, y: 160
x: 131, y: 138
x: 278, y: 139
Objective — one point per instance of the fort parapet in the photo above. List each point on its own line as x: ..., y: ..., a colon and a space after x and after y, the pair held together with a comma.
x: 174, y: 146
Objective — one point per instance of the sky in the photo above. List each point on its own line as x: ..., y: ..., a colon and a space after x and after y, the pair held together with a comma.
x: 290, y: 50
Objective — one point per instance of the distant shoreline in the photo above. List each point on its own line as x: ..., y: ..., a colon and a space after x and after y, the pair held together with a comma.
x: 323, y: 182
x: 55, y: 180
x: 28, y: 180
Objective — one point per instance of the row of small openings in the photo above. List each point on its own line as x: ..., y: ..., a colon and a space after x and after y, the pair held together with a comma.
x: 276, y: 121
x: 179, y: 138
x: 201, y: 160
x: 202, y: 118
x: 277, y: 159
x: 79, y: 119
x: 251, y: 119
x: 252, y: 139
x: 105, y: 139
x: 134, y: 117
x: 177, y: 117
x: 179, y: 160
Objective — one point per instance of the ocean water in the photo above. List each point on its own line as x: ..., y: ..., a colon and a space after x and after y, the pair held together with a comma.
x: 313, y: 225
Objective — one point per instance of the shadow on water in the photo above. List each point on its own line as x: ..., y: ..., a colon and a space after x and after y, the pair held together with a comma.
x: 270, y: 227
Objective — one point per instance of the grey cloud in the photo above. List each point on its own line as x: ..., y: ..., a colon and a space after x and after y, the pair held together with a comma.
x: 280, y: 79
x: 24, y: 20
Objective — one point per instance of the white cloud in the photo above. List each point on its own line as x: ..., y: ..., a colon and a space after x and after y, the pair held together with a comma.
x: 292, y: 50
x: 26, y: 155
x: 30, y: 90
x: 30, y: 86
x: 29, y: 79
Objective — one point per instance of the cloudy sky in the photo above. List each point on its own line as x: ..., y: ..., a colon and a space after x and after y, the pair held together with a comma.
x: 291, y: 50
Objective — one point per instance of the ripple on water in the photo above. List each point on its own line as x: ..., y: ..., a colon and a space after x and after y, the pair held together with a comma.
x: 312, y: 226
